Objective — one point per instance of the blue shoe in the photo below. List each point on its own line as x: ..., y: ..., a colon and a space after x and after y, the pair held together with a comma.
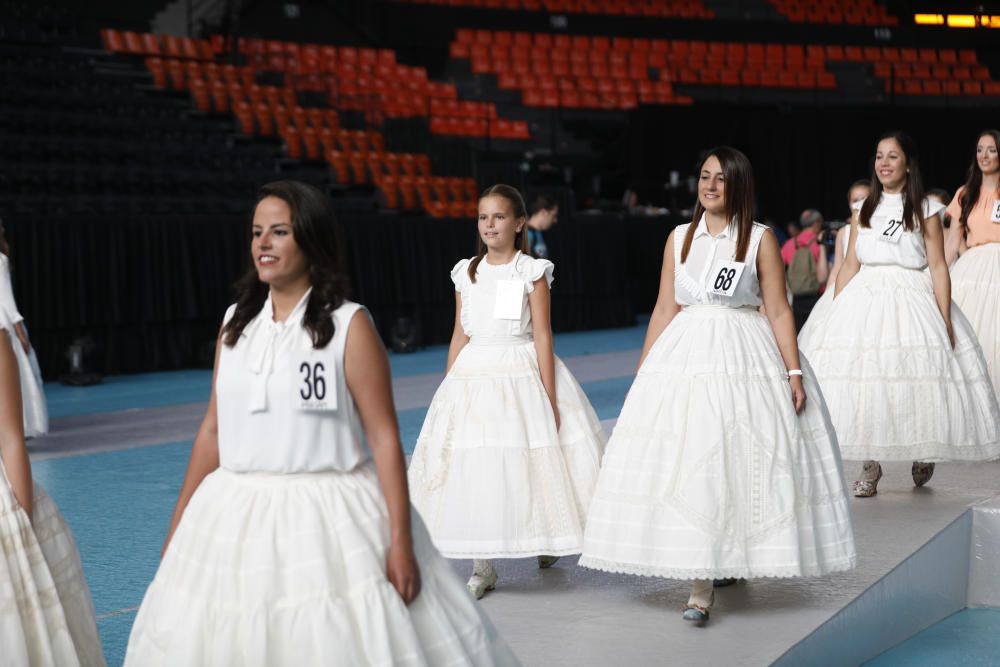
x: 695, y: 614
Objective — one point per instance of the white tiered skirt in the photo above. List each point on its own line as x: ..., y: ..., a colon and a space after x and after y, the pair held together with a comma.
x: 896, y: 389
x: 46, y: 613
x: 975, y: 286
x: 709, y: 472
x: 268, y: 569
x: 490, y: 474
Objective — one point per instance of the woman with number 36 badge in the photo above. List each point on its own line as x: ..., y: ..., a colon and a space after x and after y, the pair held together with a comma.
x: 899, y: 363
x: 723, y: 463
x: 289, y: 545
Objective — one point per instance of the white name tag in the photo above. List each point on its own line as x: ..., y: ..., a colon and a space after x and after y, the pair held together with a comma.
x: 510, y: 295
x: 724, y: 277
x: 995, y: 216
x: 891, y: 228
x: 315, y: 386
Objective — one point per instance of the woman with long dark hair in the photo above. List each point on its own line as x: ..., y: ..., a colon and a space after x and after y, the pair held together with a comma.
x: 975, y: 277
x: 292, y: 542
x: 46, y: 613
x: 36, y: 412
x: 898, y: 362
x: 722, y: 463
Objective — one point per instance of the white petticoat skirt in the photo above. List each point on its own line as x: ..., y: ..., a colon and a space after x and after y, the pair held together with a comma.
x: 490, y: 474
x: 895, y: 387
x: 46, y: 613
x: 710, y: 473
x: 275, y: 570
x: 975, y: 286
x: 36, y: 413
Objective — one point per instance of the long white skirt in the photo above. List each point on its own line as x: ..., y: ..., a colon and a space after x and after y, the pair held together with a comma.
x: 36, y: 413
x: 896, y: 389
x: 269, y: 569
x: 490, y: 474
x: 818, y: 315
x: 975, y: 286
x: 46, y: 613
x: 710, y: 473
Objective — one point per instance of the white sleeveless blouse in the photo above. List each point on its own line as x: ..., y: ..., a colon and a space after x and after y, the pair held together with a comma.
x: 283, y: 406
x: 881, y: 244
x: 695, y: 278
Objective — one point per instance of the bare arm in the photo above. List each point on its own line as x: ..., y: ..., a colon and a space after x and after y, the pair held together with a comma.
x: 666, y: 305
x: 771, y: 273
x: 838, y: 257
x: 851, y: 265
x: 204, y: 454
x: 934, y: 241
x: 458, y: 338
x: 822, y: 266
x: 539, y: 301
x: 12, y: 449
x: 366, y: 367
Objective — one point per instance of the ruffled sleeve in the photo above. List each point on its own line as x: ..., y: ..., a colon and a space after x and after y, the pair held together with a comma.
x: 534, y: 269
x: 460, y: 274
x: 932, y: 207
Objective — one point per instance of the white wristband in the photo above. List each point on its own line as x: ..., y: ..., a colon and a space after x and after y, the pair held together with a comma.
x: 794, y: 371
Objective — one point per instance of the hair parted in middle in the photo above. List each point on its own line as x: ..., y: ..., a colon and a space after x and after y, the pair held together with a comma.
x: 516, y: 201
x: 913, y: 190
x: 737, y: 174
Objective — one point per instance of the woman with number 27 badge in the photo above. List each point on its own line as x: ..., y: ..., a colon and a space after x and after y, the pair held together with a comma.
x: 899, y: 363
x: 292, y: 542
x: 723, y: 463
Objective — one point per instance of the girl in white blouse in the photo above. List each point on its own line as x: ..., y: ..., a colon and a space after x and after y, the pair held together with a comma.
x: 292, y: 542
x: 36, y: 413
x: 46, y: 614
x: 900, y: 366
x: 508, y: 455
x: 722, y: 463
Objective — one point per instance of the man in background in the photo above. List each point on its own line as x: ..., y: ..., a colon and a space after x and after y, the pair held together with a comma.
x: 806, y: 265
x: 544, y: 213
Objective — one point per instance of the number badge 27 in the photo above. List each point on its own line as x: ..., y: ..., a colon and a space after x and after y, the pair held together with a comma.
x: 316, y: 389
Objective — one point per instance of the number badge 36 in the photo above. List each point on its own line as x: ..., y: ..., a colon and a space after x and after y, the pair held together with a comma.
x: 316, y: 390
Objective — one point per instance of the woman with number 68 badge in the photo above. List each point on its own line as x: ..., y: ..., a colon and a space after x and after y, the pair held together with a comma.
x: 899, y: 363
x: 723, y: 463
x: 293, y: 542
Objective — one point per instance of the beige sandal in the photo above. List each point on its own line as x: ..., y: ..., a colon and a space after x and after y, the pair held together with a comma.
x: 867, y: 486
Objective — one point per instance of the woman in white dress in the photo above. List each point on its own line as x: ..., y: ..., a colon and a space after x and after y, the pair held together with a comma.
x: 289, y: 544
x: 975, y: 234
x: 508, y: 455
x: 36, y: 413
x: 46, y: 613
x: 723, y: 463
x: 898, y: 362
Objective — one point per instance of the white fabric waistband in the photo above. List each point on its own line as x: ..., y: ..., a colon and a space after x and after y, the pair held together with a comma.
x: 500, y: 340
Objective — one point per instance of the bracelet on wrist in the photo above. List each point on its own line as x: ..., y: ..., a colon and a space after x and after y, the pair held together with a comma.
x: 793, y: 372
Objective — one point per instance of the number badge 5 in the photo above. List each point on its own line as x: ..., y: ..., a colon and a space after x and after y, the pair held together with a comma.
x: 995, y: 215
x: 724, y: 277
x: 316, y: 389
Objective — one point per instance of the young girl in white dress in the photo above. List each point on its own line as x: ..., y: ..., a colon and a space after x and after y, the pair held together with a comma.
x: 289, y: 544
x: 898, y: 362
x: 46, y: 613
x: 36, y: 413
x: 975, y: 233
x: 508, y: 455
x: 857, y: 193
x: 723, y: 463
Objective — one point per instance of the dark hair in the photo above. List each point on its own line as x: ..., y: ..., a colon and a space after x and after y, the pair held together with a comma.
x: 974, y: 181
x: 516, y: 202
x: 913, y: 197
x: 319, y: 236
x: 543, y: 203
x: 4, y: 246
x: 738, y: 174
